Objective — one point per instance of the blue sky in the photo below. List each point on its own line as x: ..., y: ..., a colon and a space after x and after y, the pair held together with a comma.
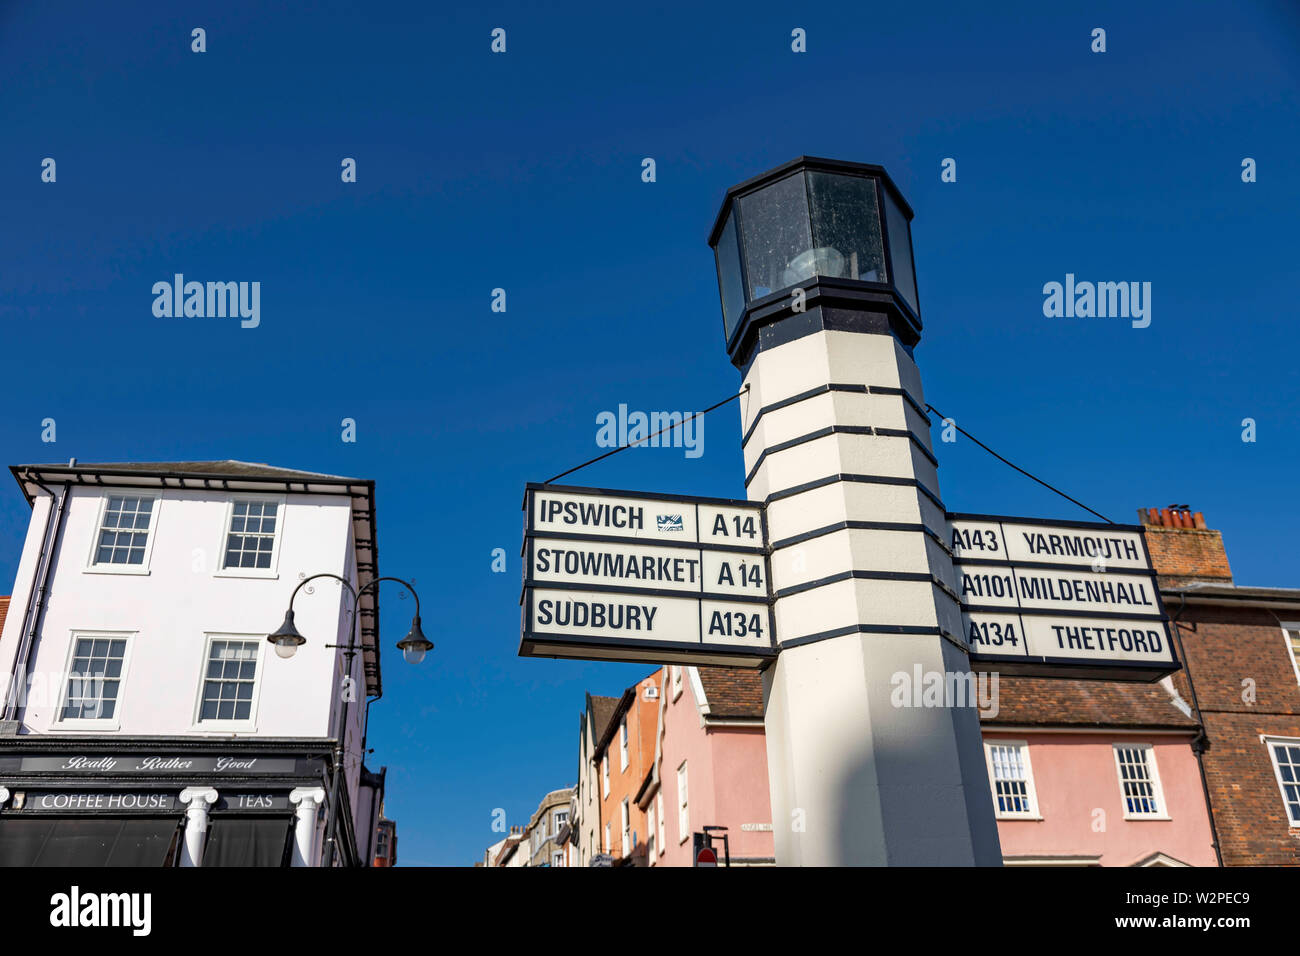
x: 522, y: 171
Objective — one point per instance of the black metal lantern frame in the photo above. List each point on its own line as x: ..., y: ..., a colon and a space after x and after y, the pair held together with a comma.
x: 811, y: 225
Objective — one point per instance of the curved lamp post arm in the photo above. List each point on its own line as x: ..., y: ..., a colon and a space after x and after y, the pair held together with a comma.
x: 415, y: 645
x: 324, y: 574
x: 374, y: 583
x: 287, y: 638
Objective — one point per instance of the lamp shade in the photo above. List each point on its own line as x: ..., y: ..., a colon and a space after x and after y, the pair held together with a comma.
x: 286, y: 638
x: 415, y: 645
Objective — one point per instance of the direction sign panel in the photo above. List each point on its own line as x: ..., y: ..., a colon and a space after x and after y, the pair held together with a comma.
x: 616, y: 575
x: 1060, y: 599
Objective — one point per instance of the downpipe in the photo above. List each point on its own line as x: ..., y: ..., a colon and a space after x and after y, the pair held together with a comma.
x: 37, y: 599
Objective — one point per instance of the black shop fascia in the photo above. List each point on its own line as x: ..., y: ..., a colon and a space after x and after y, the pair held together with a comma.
x: 90, y: 802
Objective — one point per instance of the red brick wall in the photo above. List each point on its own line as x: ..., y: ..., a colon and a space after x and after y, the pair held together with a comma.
x: 1246, y: 686
x: 1182, y: 556
x: 1248, y: 809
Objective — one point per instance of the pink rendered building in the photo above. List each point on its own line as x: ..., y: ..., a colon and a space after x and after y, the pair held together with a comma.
x: 709, y: 768
x: 1096, y: 773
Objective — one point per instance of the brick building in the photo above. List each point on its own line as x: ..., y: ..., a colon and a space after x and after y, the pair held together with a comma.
x: 1239, y: 646
x: 623, y: 756
x: 1221, y: 737
x: 385, y: 842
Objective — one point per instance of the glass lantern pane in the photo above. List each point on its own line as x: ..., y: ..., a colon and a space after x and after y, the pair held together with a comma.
x: 778, y: 240
x: 730, y: 283
x: 900, y: 251
x: 846, y: 227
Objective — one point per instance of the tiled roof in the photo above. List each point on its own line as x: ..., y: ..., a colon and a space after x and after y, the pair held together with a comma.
x: 229, y: 467
x: 602, y: 711
x: 732, y: 691
x: 1084, y: 703
x: 507, y: 851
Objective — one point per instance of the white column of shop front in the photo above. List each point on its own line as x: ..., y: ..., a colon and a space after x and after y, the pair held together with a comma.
x: 864, y: 588
x: 308, y: 800
x: 197, y: 801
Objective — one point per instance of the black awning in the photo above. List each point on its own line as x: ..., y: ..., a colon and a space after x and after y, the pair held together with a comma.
x: 248, y: 841
x: 88, y: 841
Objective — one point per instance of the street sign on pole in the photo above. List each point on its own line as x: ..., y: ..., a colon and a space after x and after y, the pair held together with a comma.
x: 1060, y: 598
x: 706, y: 857
x: 625, y: 576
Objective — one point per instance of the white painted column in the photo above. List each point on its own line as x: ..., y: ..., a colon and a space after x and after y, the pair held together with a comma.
x: 197, y: 801
x: 865, y: 590
x: 308, y: 800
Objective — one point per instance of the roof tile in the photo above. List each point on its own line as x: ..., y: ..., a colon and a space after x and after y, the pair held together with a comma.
x: 732, y: 691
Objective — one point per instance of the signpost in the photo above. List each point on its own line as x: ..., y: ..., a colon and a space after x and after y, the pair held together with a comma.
x: 821, y: 317
x: 1060, y: 599
x: 617, y: 575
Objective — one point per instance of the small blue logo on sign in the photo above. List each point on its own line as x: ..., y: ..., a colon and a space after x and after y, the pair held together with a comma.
x: 670, y: 523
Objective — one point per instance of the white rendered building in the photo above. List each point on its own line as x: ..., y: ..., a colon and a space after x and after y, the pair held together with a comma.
x: 146, y: 718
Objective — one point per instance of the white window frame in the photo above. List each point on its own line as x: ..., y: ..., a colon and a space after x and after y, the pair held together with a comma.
x: 659, y: 810
x: 622, y: 746
x: 677, y: 680
x: 607, y: 836
x: 1269, y: 742
x: 97, y: 724
x: 1033, y: 812
x: 604, y: 775
x: 683, y: 804
x: 625, y: 818
x: 1287, y: 628
x: 1158, y: 792
x: 556, y: 822
x: 557, y: 858
x: 651, y: 843
x: 142, y: 568
x: 270, y: 573
x: 248, y: 725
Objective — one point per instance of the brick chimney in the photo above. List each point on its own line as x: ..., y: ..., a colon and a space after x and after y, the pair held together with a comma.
x: 1183, y: 549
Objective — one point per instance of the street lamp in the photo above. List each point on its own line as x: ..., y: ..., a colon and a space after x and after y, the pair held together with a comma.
x: 415, y: 645
x: 287, y: 640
